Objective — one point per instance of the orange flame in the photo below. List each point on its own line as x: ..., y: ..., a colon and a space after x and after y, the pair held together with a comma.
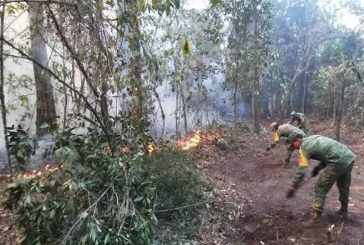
x: 152, y: 148
x: 196, y: 138
x: 49, y: 168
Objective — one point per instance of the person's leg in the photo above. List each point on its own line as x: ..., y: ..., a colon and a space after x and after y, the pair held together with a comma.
x: 326, y: 180
x: 343, y: 184
x: 289, y: 152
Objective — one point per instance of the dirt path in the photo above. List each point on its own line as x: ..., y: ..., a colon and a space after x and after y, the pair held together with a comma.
x: 266, y: 216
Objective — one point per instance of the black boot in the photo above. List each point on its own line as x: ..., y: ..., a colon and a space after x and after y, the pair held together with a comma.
x: 343, y: 211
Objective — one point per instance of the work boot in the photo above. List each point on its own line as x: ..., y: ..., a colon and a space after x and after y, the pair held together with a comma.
x: 343, y: 211
x: 315, y: 216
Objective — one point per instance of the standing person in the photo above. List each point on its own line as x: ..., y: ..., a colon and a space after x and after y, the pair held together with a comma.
x: 287, y: 131
x: 336, y: 163
x: 301, y: 120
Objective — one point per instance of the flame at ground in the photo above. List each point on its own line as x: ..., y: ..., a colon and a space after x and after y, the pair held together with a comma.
x: 196, y: 138
x: 192, y: 140
x: 49, y: 168
x: 151, y: 147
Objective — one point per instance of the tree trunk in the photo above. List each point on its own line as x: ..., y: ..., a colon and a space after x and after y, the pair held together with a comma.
x: 335, y: 101
x: 256, y: 102
x: 183, y: 107
x: 304, y: 94
x: 163, y: 115
x: 340, y: 108
x: 135, y: 65
x: 177, y: 114
x: 235, y: 102
x: 256, y: 89
x: 45, y: 104
x: 2, y: 84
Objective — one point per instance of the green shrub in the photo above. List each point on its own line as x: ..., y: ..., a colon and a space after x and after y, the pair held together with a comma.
x: 181, y: 194
x: 95, y: 197
x: 176, y: 178
x: 100, y: 195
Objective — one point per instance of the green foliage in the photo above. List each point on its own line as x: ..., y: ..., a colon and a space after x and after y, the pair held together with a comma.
x: 181, y: 194
x: 95, y: 197
x: 215, y: 3
x: 176, y: 178
x: 248, y: 42
x: 100, y: 194
x: 20, y: 146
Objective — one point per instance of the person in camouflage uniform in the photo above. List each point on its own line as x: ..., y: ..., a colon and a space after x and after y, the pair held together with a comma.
x: 287, y: 131
x: 301, y: 120
x: 336, y: 163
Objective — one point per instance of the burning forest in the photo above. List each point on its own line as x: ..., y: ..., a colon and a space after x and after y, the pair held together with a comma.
x: 181, y: 122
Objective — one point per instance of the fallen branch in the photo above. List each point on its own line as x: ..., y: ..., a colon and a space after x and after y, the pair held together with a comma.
x: 81, y: 218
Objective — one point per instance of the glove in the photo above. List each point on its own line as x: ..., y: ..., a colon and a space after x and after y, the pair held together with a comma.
x: 290, y: 193
x: 268, y: 148
x: 315, y: 171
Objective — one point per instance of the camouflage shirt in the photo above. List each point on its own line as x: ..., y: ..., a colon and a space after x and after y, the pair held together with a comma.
x: 323, y: 149
x: 326, y: 150
x: 288, y: 131
x: 301, y: 120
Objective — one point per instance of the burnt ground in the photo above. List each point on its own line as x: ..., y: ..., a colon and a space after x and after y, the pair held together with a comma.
x: 255, y: 182
x: 250, y: 197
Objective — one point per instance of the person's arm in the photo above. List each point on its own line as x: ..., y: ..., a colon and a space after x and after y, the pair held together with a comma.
x: 318, y: 168
x: 292, y: 121
x: 300, y: 173
x: 276, y: 140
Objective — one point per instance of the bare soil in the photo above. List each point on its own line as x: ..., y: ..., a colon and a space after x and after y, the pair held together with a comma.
x: 257, y: 183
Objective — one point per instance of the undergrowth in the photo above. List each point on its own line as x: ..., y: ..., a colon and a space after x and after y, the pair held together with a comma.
x: 106, y: 193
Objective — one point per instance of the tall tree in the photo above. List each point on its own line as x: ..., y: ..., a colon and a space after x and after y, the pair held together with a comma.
x: 248, y: 49
x: 2, y: 81
x: 45, y: 103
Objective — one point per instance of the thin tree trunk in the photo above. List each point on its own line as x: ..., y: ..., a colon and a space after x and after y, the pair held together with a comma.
x: 304, y: 94
x: 256, y: 90
x: 177, y: 110
x: 163, y: 115
x: 235, y: 99
x: 104, y: 106
x: 46, y: 109
x: 256, y: 102
x: 340, y: 108
x: 183, y: 107
x: 335, y: 104
x: 235, y: 103
x: 2, y: 84
x: 64, y: 93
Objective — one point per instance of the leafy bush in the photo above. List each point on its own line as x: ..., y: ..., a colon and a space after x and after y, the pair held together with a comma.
x: 95, y: 197
x: 102, y: 194
x: 181, y: 194
x: 177, y: 180
x: 20, y: 147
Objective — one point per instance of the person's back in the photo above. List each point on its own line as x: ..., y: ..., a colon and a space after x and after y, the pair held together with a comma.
x: 326, y: 150
x: 288, y: 131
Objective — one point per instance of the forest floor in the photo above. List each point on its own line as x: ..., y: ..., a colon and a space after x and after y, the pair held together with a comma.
x: 251, y: 186
x: 255, y: 182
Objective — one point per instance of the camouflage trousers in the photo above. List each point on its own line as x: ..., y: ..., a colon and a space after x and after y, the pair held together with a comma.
x: 330, y: 175
x: 289, y: 152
